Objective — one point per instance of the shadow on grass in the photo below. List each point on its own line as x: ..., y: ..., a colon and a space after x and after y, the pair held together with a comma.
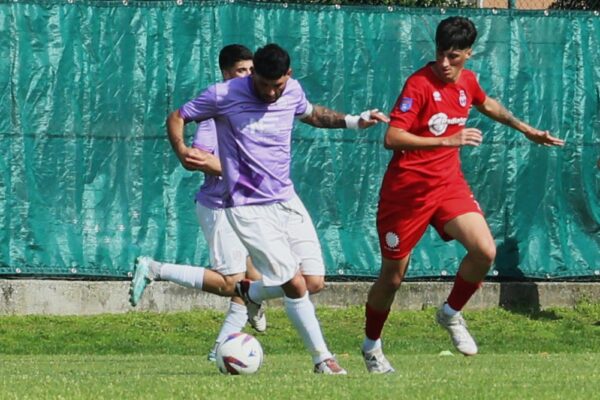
x: 538, y: 315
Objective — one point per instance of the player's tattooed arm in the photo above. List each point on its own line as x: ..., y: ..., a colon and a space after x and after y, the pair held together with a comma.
x: 323, y: 117
x: 507, y: 118
x: 496, y: 111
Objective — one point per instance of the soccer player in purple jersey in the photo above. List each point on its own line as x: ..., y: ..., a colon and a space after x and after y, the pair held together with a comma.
x: 228, y: 256
x: 254, y: 118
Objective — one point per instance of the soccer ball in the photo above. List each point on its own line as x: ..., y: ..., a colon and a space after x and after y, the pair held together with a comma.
x: 239, y: 354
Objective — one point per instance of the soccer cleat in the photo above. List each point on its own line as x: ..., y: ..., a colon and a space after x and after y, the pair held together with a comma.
x: 142, y: 277
x: 256, y: 312
x: 457, y: 327
x: 212, y: 354
x: 376, y: 362
x: 242, y: 288
x: 329, y: 367
x: 257, y: 317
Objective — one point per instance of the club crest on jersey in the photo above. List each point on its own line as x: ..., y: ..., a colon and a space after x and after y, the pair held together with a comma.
x: 437, y: 96
x: 405, y: 104
x: 462, y: 98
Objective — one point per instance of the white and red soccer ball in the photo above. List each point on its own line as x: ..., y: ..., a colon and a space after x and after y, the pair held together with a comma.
x: 239, y: 354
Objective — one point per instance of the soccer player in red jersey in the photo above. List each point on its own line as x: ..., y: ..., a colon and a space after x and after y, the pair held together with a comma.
x: 424, y: 184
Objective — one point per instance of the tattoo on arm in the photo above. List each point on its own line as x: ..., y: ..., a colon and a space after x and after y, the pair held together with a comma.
x: 506, y: 117
x: 323, y: 117
x: 496, y: 111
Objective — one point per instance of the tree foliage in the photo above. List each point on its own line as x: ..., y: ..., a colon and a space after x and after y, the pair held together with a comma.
x: 586, y: 5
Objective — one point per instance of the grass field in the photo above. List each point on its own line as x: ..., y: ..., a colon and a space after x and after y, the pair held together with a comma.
x: 554, y: 354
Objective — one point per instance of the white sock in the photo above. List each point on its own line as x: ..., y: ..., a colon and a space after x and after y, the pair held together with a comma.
x: 302, y: 314
x: 449, y: 311
x: 155, y: 267
x: 370, y: 345
x: 258, y: 292
x: 235, y: 319
x: 184, y: 275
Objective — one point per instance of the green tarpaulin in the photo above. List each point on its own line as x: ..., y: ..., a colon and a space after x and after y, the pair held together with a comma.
x: 88, y: 180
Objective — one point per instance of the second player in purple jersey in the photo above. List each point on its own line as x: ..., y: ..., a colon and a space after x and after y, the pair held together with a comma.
x: 212, y: 191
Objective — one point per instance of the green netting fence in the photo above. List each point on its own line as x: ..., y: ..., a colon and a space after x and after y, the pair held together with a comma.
x: 88, y: 180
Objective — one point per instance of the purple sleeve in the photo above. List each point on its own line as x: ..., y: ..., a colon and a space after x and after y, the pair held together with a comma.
x: 202, y: 107
x: 302, y: 102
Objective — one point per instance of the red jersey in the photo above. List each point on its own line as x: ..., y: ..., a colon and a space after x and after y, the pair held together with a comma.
x: 429, y: 107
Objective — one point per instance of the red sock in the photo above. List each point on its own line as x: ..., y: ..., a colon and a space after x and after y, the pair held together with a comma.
x: 461, y: 292
x: 374, y: 321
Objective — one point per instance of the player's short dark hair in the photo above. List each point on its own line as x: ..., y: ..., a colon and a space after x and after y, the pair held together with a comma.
x: 457, y: 33
x: 271, y: 61
x: 232, y: 54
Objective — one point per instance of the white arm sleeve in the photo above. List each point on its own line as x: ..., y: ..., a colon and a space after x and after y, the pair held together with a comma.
x: 307, y: 112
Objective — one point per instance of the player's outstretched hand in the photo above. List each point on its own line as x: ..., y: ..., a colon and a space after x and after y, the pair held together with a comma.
x: 371, y: 117
x: 543, y: 137
x: 466, y: 137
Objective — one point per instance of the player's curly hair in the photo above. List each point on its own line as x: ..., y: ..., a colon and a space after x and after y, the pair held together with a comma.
x: 457, y: 33
x: 271, y: 61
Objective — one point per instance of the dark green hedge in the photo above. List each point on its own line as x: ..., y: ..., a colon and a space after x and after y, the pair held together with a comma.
x: 558, y: 4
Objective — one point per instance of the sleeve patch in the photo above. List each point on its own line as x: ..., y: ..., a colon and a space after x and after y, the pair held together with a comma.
x: 405, y: 104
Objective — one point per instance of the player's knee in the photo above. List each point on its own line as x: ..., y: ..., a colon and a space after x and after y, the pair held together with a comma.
x: 392, y: 274
x: 395, y: 283
x: 390, y: 283
x: 230, y: 281
x: 315, y: 284
x: 295, y: 287
x: 391, y: 279
x: 485, y: 252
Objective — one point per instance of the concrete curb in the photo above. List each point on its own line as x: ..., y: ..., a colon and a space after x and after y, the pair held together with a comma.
x: 55, y: 297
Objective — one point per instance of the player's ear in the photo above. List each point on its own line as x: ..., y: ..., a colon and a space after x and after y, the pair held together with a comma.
x: 289, y: 72
x: 468, y: 53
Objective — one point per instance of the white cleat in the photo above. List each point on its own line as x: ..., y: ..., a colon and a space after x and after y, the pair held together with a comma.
x: 257, y: 317
x: 329, y: 367
x: 256, y: 312
x: 457, y: 328
x: 376, y: 362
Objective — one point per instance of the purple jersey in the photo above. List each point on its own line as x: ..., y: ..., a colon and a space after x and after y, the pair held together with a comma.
x: 254, y: 138
x: 212, y: 191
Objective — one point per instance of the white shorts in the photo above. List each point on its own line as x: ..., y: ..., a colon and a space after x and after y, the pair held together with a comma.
x: 226, y: 251
x: 280, y: 238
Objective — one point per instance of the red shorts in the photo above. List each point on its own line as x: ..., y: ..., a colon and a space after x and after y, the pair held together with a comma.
x: 402, y: 222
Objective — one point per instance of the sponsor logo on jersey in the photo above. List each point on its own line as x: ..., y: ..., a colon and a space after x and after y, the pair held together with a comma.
x: 438, y: 123
x: 437, y: 96
x: 265, y: 125
x: 392, y: 240
x: 405, y: 104
x: 462, y: 98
